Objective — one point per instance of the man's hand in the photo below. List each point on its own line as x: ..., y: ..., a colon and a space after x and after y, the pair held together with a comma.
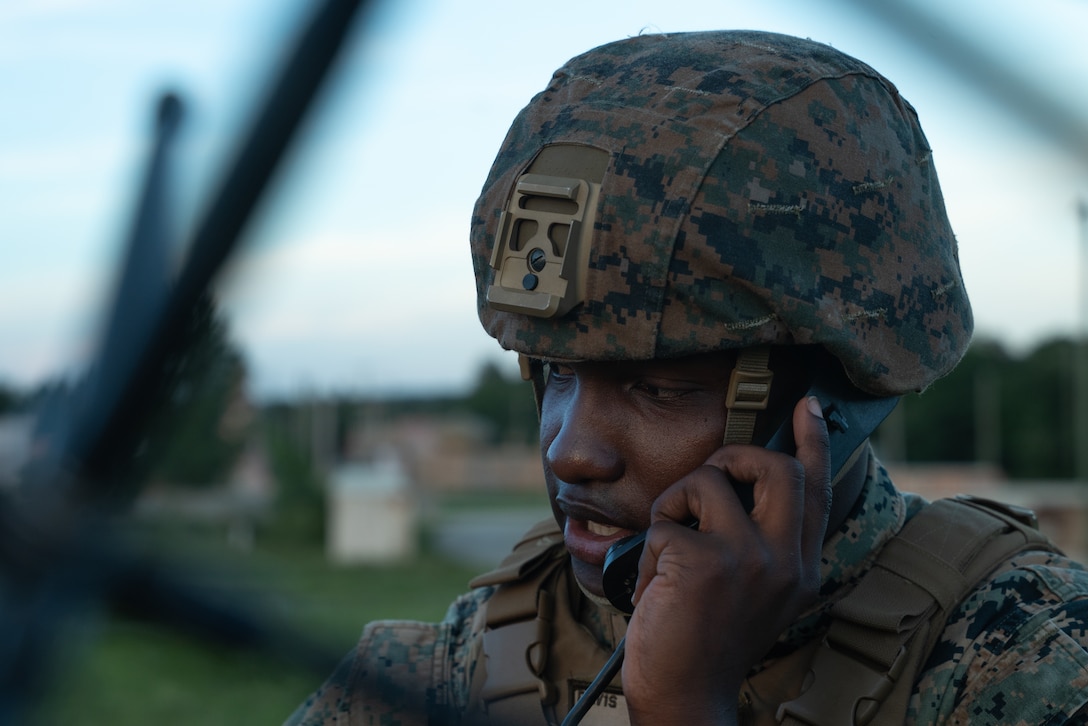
x: 710, y: 603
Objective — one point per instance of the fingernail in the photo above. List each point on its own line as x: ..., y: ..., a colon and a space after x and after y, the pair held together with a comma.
x: 814, y: 407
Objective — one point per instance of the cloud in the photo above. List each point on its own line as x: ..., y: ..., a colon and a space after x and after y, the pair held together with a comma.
x: 33, y: 10
x: 344, y: 312
x: 47, y: 324
x: 359, y: 270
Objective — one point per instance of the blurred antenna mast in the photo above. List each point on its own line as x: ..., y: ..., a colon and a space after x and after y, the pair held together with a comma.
x: 1080, y: 373
x: 61, y: 557
x: 986, y: 70
x: 1043, y: 111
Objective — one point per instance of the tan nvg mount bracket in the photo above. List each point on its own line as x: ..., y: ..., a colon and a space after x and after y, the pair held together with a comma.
x: 542, y: 245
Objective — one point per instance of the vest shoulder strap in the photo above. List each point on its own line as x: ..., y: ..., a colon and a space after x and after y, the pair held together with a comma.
x: 506, y: 684
x: 862, y: 673
x: 882, y: 632
x: 536, y: 547
x: 533, y: 647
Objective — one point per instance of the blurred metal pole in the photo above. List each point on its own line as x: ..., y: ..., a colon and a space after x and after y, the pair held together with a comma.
x: 61, y: 557
x: 1080, y: 372
x: 1022, y: 97
x: 987, y: 414
x: 986, y: 70
x: 892, y: 435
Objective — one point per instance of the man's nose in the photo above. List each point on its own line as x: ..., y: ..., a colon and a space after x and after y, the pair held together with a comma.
x: 588, y: 446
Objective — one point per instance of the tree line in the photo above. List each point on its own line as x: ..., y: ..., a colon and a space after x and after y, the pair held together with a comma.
x: 1017, y: 412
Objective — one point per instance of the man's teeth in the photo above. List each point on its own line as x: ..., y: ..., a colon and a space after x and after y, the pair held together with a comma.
x: 603, y: 530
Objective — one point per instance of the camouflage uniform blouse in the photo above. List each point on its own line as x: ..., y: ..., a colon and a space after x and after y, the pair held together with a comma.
x: 1015, y: 652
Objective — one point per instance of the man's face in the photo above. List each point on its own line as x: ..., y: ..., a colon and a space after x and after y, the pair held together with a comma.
x: 615, y: 435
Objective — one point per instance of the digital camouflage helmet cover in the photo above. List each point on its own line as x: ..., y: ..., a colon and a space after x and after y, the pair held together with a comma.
x: 675, y: 194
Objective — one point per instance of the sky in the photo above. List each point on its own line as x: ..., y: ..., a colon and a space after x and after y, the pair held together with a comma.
x: 355, y: 275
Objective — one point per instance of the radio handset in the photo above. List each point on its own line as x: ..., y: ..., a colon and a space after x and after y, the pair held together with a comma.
x: 851, y: 416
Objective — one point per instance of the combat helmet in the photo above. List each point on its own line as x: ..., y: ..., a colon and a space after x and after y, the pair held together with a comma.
x: 674, y: 194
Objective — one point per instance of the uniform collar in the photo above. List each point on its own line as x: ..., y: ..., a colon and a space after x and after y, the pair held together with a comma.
x: 877, y: 516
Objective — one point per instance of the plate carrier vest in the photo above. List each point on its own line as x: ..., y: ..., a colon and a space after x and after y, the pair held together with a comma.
x: 536, y: 653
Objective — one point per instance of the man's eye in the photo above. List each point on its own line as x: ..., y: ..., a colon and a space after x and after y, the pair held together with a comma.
x: 661, y: 392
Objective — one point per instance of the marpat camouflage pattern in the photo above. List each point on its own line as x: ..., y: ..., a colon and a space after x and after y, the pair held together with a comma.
x: 1014, y: 653
x: 760, y: 189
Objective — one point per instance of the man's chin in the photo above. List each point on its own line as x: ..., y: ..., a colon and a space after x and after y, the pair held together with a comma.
x: 597, y: 598
x: 589, y: 578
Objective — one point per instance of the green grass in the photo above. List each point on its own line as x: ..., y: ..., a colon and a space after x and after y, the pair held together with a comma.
x: 132, y: 673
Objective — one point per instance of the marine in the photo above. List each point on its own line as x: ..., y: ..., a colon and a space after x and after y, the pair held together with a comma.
x: 721, y: 257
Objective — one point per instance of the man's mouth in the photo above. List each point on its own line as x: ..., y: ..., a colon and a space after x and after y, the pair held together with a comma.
x: 588, y: 539
x: 587, y: 542
x: 603, y: 530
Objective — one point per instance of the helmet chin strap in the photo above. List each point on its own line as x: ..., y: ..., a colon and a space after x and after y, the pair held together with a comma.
x: 749, y: 393
x: 532, y: 370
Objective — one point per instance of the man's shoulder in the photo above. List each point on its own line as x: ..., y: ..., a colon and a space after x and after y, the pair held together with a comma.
x: 1032, y: 588
x: 1017, y: 646
x: 1035, y: 589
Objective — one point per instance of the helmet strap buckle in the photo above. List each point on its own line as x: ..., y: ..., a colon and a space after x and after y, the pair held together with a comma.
x: 749, y: 393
